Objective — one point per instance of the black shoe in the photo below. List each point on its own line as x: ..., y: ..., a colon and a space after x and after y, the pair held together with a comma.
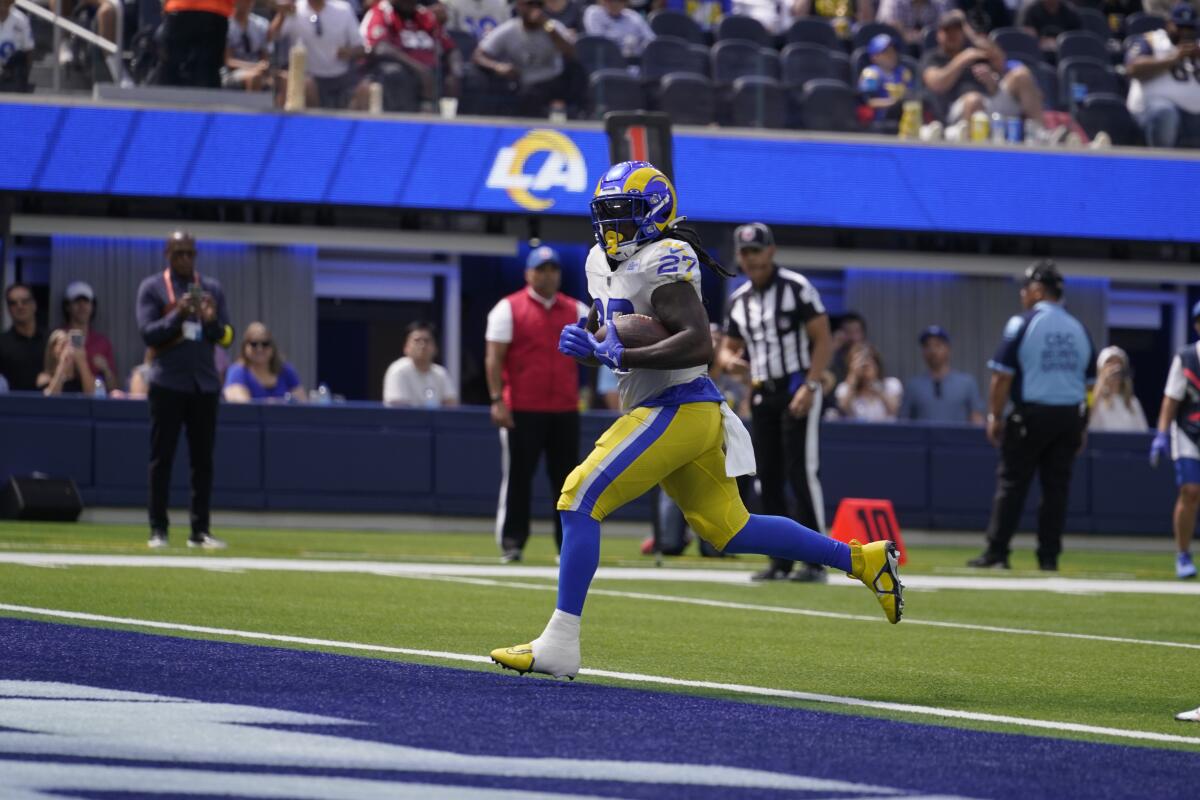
x: 510, y: 557
x: 1048, y: 565
x: 770, y: 574
x: 989, y: 561
x: 810, y: 574
x: 157, y: 539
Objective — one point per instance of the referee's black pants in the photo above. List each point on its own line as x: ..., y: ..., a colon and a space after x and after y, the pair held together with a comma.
x: 535, y: 432
x: 785, y: 448
x: 1037, y: 438
x: 169, y: 412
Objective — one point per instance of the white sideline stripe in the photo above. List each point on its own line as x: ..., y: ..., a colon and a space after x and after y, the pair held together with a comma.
x: 682, y: 575
x: 633, y: 677
x: 804, y: 612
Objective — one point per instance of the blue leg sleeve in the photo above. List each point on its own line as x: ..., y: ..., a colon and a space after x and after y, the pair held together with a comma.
x: 578, y: 560
x: 785, y: 538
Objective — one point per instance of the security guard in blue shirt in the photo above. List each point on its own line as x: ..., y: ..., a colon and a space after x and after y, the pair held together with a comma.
x: 1046, y: 360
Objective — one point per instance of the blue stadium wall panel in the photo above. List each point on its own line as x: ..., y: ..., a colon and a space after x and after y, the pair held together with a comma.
x: 363, y: 457
x: 500, y: 167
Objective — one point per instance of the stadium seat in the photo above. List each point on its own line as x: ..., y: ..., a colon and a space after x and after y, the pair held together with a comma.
x: 676, y: 23
x: 1079, y: 77
x: 1143, y: 23
x: 749, y: 29
x: 701, y: 62
x: 1074, y: 44
x: 803, y: 61
x: 829, y: 105
x: 814, y: 30
x: 1108, y: 113
x: 841, y: 67
x: 614, y: 90
x: 596, y: 53
x: 1094, y: 21
x: 687, y: 98
x: 870, y: 30
x: 1047, y: 79
x: 759, y: 102
x: 464, y: 42
x: 668, y: 54
x: 734, y: 58
x: 1014, y: 41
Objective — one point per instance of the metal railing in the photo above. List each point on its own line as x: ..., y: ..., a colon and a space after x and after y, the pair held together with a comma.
x: 63, y: 25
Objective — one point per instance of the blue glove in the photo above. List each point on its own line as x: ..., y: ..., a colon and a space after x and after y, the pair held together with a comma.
x: 576, y: 342
x: 610, y: 352
x: 1160, y: 445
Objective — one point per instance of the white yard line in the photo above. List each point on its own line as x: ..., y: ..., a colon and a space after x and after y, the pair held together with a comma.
x: 804, y: 612
x: 733, y: 688
x: 983, y: 582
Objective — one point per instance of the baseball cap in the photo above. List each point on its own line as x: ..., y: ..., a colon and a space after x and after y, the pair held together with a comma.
x: 542, y: 255
x: 1109, y: 352
x: 753, y: 235
x: 1046, y: 273
x: 952, y: 18
x: 1196, y: 311
x: 879, y: 42
x: 78, y: 289
x: 934, y: 331
x: 1183, y: 15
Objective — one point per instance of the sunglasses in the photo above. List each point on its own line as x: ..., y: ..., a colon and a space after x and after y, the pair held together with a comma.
x: 260, y: 345
x: 316, y: 20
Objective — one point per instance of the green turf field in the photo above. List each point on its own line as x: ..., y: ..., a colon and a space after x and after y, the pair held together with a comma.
x: 1132, y: 685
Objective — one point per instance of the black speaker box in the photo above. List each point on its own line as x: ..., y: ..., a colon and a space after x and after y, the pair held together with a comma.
x: 37, y: 498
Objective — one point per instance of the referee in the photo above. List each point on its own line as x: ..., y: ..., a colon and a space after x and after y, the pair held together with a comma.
x: 1047, y: 362
x: 777, y: 321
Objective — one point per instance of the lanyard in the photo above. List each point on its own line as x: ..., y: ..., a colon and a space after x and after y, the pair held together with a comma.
x: 171, y: 289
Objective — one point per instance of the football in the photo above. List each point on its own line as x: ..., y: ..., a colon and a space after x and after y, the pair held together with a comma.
x: 636, y: 330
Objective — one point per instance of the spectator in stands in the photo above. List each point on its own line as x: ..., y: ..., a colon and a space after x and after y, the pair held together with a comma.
x: 1114, y: 406
x: 536, y: 54
x: 23, y: 345
x: 966, y: 79
x: 139, y: 382
x: 911, y: 17
x: 614, y: 20
x: 773, y: 15
x: 850, y: 332
x: 1115, y: 11
x: 844, y: 15
x: 1164, y: 87
x: 182, y: 317
x: 66, y: 370
x: 568, y: 13
x: 942, y: 394
x: 79, y: 312
x: 260, y: 373
x: 409, y: 52
x: 247, y: 51
x: 16, y: 49
x: 866, y: 395
x: 986, y: 15
x: 415, y: 380
x: 885, y: 82
x: 329, y: 31
x: 194, y: 42
x: 1046, y: 19
x: 476, y: 17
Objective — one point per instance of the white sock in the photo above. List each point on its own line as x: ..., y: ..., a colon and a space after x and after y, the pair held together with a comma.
x: 562, y: 629
x: 556, y: 651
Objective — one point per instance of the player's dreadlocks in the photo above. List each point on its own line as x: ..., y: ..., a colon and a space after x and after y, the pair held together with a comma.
x: 687, y: 233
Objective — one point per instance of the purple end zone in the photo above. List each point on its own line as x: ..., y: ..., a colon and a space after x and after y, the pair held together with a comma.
x: 494, y: 714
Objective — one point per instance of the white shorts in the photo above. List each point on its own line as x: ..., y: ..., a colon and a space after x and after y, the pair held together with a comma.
x: 1001, y: 103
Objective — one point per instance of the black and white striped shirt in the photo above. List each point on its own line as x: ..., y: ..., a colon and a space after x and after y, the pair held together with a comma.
x: 772, y: 324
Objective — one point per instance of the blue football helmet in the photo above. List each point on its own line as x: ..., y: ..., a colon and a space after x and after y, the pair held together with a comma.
x: 634, y: 204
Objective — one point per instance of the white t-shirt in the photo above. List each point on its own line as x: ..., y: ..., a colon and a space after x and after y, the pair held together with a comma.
x: 773, y: 14
x: 339, y: 28
x: 249, y: 43
x: 1180, y: 85
x: 629, y: 30
x: 1176, y: 389
x: 475, y: 16
x: 872, y: 408
x: 500, y: 318
x: 405, y: 385
x: 15, y: 35
x: 1111, y: 414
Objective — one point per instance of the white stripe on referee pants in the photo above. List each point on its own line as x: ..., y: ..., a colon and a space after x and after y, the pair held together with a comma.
x: 502, y: 505
x: 812, y: 461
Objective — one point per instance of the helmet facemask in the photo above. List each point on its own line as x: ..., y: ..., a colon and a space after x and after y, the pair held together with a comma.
x: 623, y: 223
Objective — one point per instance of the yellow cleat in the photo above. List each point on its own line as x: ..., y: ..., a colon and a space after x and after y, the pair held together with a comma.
x: 519, y: 657
x: 877, y: 566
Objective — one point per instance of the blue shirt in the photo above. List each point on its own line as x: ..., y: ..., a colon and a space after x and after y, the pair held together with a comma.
x: 285, y: 381
x: 952, y: 399
x: 1050, y: 356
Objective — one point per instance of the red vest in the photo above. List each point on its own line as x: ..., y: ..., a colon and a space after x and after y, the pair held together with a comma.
x: 536, y: 376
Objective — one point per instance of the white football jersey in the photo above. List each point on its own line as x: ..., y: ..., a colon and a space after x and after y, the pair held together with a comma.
x: 627, y: 290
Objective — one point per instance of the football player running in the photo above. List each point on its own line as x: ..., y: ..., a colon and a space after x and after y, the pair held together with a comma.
x: 675, y: 431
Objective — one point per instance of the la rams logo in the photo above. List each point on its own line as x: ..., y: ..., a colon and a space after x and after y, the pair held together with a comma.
x: 538, y: 162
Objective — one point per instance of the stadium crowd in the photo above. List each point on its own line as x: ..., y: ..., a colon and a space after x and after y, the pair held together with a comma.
x: 1045, y: 71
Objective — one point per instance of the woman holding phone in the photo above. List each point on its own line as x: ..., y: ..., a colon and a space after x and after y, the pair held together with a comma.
x: 66, y: 370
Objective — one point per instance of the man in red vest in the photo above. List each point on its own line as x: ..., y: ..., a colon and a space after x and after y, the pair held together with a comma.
x: 535, y: 394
